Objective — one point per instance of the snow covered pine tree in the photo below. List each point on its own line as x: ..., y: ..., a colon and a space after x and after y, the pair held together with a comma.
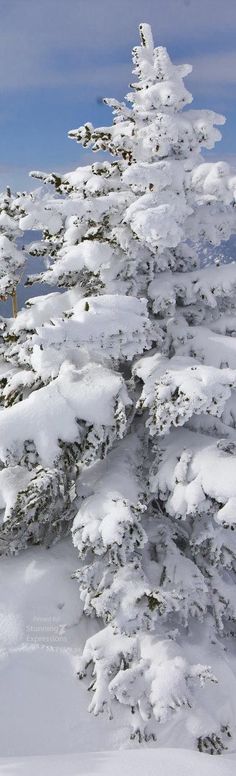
x: 146, y: 446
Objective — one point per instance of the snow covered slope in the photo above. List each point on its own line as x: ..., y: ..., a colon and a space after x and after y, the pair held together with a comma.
x: 45, y: 726
x: 151, y: 762
x: 42, y: 630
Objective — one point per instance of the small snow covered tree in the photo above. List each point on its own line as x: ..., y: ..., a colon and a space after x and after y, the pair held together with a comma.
x: 12, y: 259
x: 139, y: 446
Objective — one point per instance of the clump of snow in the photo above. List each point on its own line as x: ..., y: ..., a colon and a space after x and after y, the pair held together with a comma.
x: 51, y: 413
x: 108, y: 326
x: 177, y: 388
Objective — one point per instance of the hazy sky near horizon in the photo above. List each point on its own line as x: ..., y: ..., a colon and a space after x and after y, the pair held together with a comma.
x: 59, y: 57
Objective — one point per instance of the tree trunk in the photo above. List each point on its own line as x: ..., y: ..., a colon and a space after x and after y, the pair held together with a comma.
x: 14, y: 303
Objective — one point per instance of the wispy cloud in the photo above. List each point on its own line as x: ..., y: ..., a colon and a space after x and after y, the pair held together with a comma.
x: 58, y: 56
x: 37, y: 37
x: 216, y: 68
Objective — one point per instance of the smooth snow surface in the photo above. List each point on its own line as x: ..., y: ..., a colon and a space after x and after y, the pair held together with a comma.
x: 148, y: 762
x: 42, y: 630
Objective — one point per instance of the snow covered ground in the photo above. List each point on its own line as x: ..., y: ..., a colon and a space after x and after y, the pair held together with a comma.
x: 151, y: 762
x: 45, y: 726
x: 45, y: 705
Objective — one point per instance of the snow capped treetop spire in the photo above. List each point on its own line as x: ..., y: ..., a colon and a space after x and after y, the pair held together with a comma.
x: 146, y: 35
x: 153, y: 65
x: 146, y: 127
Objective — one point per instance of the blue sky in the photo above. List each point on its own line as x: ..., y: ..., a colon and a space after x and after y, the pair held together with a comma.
x: 57, y: 57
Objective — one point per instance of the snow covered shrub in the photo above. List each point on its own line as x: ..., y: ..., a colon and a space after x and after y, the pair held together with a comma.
x: 124, y: 406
